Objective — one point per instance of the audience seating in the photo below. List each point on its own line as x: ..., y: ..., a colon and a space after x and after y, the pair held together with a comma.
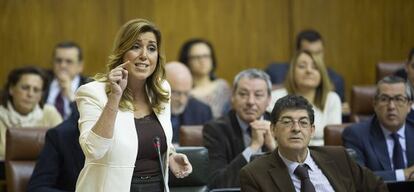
x: 384, y: 69
x: 197, y: 180
x: 23, y: 146
x: 191, y: 135
x: 332, y: 134
x: 362, y: 100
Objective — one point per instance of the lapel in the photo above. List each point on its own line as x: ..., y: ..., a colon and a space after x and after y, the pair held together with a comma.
x: 409, y: 142
x: 329, y: 169
x: 236, y: 133
x: 279, y: 173
x: 379, y: 145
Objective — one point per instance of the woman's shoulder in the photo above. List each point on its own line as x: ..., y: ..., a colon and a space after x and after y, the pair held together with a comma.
x: 279, y: 93
x: 92, y: 88
x: 333, y: 96
x: 221, y: 84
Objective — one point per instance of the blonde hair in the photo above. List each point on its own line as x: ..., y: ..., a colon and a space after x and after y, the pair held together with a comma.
x: 124, y: 40
x: 324, y: 86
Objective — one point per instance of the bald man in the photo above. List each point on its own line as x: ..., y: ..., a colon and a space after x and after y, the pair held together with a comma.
x: 185, y: 110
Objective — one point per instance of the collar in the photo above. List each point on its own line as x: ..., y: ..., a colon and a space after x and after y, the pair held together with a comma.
x: 243, y: 124
x: 291, y: 165
x: 400, y: 132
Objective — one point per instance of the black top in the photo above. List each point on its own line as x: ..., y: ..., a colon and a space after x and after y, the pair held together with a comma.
x: 147, y: 163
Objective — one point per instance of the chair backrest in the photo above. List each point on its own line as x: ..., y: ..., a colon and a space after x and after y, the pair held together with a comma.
x: 23, y: 146
x: 332, y: 134
x: 362, y: 100
x: 191, y: 135
x: 384, y: 69
x: 197, y: 180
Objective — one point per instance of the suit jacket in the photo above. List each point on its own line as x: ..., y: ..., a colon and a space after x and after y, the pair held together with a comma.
x: 224, y: 140
x: 278, y: 71
x: 109, y: 163
x: 195, y: 113
x: 270, y: 174
x: 367, y: 139
x: 61, y: 159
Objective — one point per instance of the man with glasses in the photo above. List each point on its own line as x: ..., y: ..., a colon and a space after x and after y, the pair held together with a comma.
x: 66, y: 77
x: 385, y: 144
x: 232, y: 139
x: 185, y: 109
x: 294, y: 166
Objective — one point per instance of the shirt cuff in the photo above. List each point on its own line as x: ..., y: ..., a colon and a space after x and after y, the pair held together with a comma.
x: 399, y: 175
x: 248, y: 152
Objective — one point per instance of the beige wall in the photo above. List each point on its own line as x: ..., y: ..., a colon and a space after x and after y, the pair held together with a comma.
x: 245, y: 33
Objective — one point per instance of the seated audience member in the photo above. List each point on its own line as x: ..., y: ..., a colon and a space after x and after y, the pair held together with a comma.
x: 408, y: 72
x: 311, y: 41
x: 232, y: 139
x: 198, y: 55
x: 66, y: 77
x: 185, y: 109
x: 385, y: 144
x: 61, y: 159
x: 22, y: 104
x: 307, y: 77
x: 294, y: 166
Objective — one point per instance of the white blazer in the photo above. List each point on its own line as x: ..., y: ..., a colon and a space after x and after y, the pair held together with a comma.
x: 109, y: 163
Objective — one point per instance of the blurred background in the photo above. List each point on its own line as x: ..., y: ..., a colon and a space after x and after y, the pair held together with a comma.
x: 245, y: 33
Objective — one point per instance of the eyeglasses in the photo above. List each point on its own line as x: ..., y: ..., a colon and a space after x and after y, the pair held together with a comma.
x: 289, y: 123
x: 385, y: 100
x: 199, y: 57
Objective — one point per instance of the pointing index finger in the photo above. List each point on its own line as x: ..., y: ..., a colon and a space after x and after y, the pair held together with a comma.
x: 123, y: 64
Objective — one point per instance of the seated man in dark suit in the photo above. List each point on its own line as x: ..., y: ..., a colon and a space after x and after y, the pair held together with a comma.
x: 61, y: 159
x: 311, y: 41
x: 385, y: 144
x: 66, y: 77
x: 232, y: 139
x: 294, y: 166
x: 185, y: 110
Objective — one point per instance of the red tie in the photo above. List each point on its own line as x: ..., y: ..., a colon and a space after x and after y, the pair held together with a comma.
x: 59, y: 104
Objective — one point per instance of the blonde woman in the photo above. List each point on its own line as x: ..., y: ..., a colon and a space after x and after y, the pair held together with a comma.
x: 307, y: 76
x: 122, y: 113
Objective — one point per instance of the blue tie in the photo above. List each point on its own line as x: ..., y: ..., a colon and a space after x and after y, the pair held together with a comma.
x: 397, y: 157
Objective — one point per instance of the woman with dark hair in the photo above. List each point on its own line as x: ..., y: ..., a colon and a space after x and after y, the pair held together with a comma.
x: 125, y: 118
x: 22, y: 103
x: 198, y: 55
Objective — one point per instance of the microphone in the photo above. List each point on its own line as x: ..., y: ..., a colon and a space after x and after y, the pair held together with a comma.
x: 157, y: 146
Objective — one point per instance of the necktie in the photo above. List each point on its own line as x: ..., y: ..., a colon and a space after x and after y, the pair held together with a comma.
x: 397, y: 157
x: 305, y: 183
x: 59, y: 104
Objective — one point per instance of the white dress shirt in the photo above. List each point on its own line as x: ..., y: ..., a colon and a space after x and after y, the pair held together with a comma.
x: 318, y: 179
x: 54, y: 91
x: 399, y: 173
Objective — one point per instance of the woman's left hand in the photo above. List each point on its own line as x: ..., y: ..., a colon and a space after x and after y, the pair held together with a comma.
x: 179, y: 165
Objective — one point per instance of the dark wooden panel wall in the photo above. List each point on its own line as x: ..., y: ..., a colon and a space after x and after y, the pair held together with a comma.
x: 245, y: 33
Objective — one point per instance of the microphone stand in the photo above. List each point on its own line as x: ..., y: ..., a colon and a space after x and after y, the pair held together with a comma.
x: 157, y: 146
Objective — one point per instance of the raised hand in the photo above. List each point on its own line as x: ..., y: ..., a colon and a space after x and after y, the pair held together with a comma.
x: 259, y: 130
x: 118, y: 77
x: 65, y: 84
x: 179, y: 165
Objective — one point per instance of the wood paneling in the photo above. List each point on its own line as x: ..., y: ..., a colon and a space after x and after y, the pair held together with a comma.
x: 245, y: 33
